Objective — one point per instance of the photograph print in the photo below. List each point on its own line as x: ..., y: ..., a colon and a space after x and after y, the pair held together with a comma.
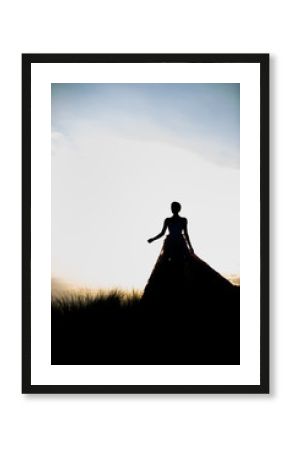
x: 145, y: 223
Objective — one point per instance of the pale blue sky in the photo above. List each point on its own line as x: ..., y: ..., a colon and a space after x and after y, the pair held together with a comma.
x: 183, y: 113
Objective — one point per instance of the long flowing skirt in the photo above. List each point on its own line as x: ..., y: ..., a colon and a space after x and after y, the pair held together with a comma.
x: 180, y: 275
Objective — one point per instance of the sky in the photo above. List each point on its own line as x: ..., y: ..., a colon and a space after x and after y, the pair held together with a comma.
x: 121, y: 153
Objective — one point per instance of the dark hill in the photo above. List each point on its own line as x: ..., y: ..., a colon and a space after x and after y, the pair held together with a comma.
x: 188, y: 314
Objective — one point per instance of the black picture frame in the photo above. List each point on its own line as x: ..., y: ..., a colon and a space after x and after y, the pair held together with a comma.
x: 263, y: 60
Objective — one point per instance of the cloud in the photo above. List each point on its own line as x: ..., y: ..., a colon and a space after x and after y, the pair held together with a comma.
x: 127, y: 127
x: 203, y: 118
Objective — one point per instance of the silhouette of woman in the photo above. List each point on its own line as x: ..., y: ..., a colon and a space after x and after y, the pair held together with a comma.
x: 179, y: 272
x: 177, y: 245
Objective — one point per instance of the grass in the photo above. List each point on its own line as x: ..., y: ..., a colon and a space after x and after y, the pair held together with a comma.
x: 89, y: 298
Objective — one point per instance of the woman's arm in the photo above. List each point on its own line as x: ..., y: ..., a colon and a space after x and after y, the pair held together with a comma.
x: 187, y: 236
x: 160, y: 234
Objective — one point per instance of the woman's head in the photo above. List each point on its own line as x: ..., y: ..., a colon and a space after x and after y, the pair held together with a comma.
x: 175, y: 207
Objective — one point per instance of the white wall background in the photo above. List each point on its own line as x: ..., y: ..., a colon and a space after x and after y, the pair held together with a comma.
x: 142, y: 422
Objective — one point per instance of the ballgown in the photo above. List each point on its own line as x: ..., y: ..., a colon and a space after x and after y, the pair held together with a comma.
x: 180, y: 275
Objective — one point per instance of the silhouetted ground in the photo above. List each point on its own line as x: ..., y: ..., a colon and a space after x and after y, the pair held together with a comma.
x: 188, y: 315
